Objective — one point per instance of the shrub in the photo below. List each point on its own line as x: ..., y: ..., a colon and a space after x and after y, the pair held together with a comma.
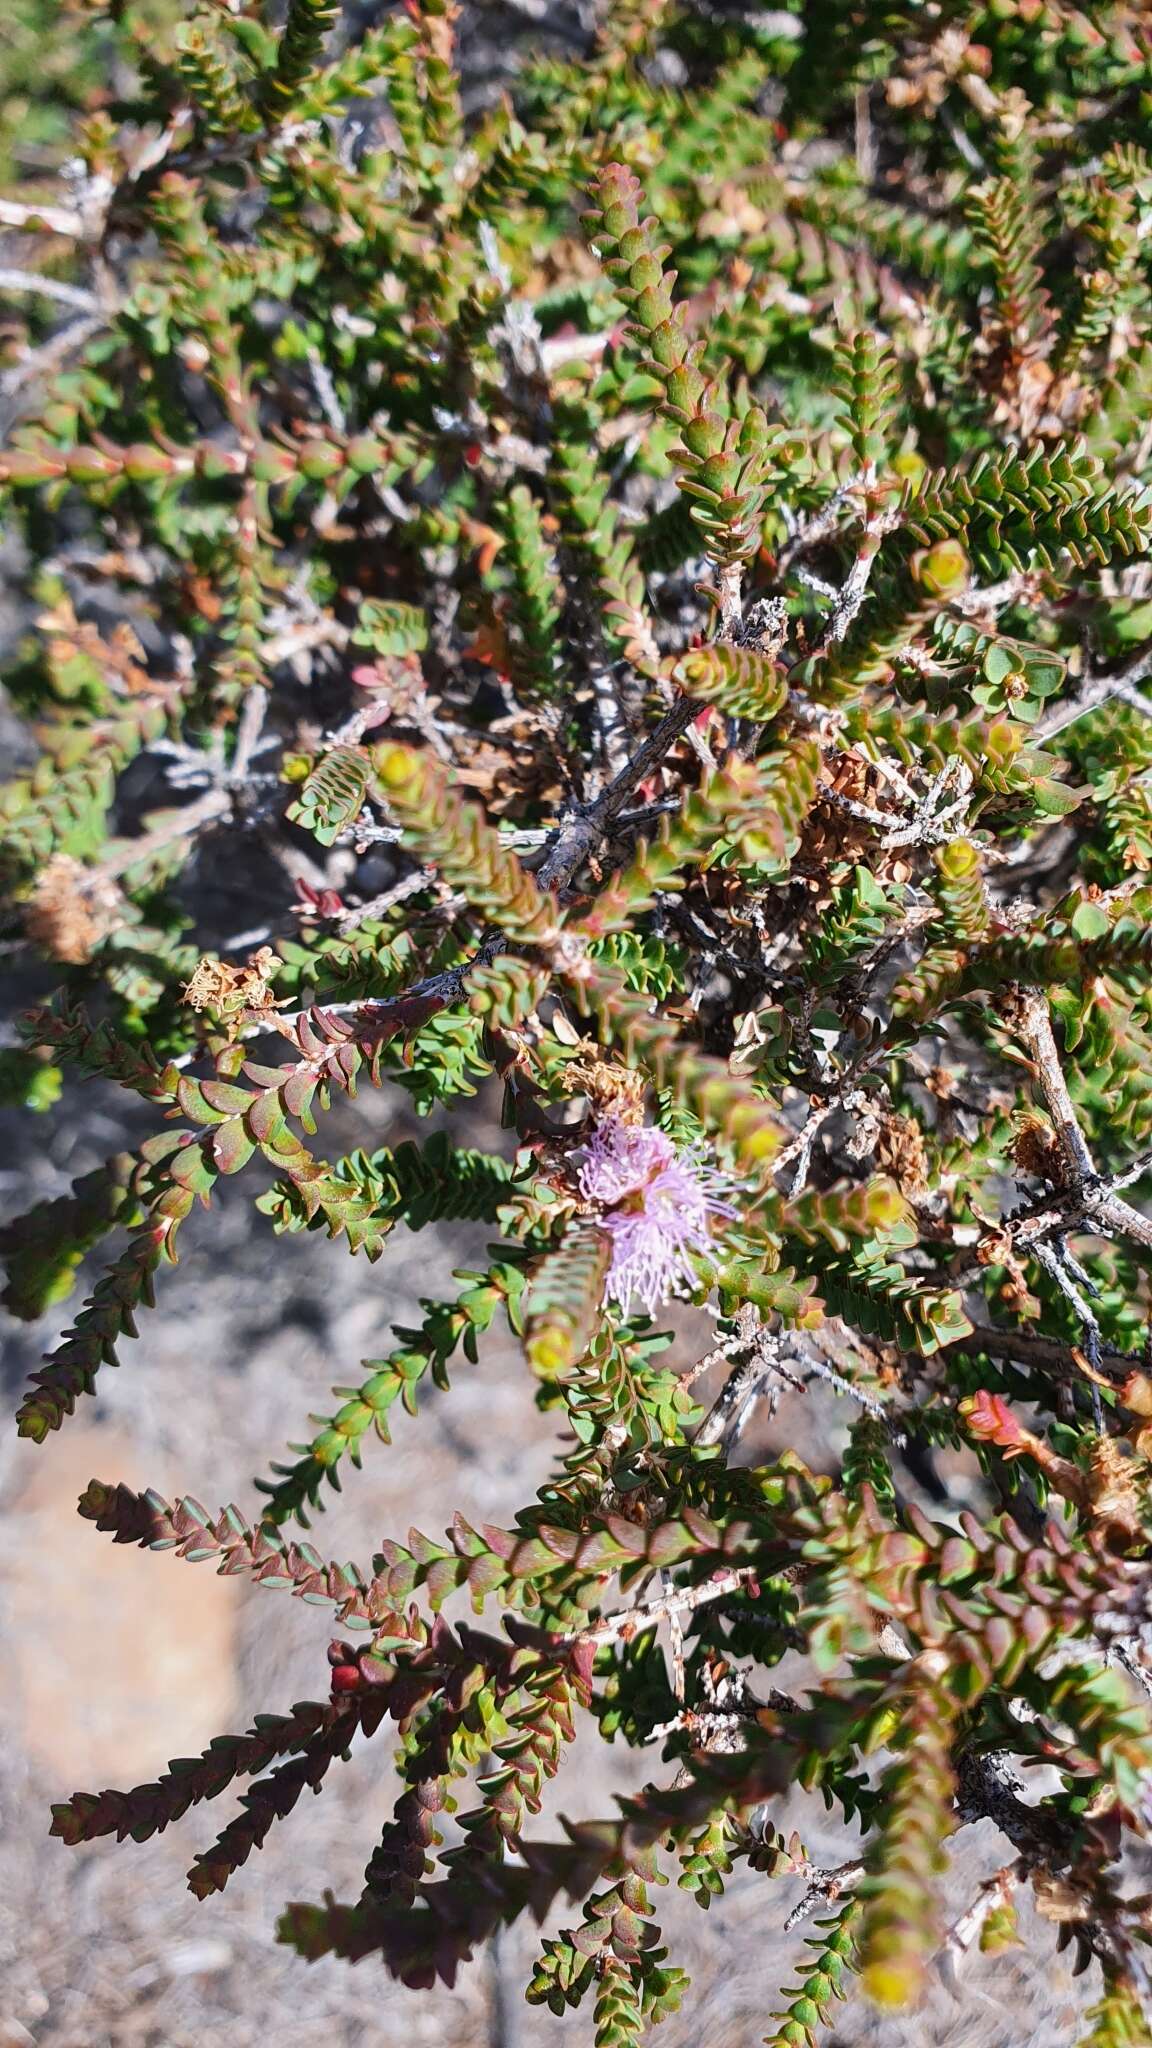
x: 670, y: 549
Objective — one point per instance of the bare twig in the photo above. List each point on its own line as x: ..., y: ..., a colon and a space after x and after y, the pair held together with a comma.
x: 725, y: 1420
x: 248, y: 732
x: 633, y: 1621
x: 800, y: 1150
x: 1084, y: 1200
x: 879, y: 520
x: 1031, y: 1348
x: 1035, y: 1026
x: 387, y: 899
x: 818, y: 527
x: 583, y: 833
x: 301, y: 637
x: 936, y: 815
x: 1088, y: 1198
x: 823, y: 1886
x: 676, y: 1653
x: 32, y: 283
x: 42, y: 219
x: 42, y: 361
x: 1099, y: 690
x: 215, y: 803
x: 964, y: 1933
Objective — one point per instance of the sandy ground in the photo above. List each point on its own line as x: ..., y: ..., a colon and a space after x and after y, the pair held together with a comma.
x: 118, y: 1660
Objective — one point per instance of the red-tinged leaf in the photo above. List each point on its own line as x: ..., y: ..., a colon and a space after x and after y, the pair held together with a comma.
x: 667, y: 1544
x: 191, y: 1169
x: 266, y: 1077
x: 160, y: 1147
x: 485, y: 1576
x: 999, y: 1637
x: 1035, y: 1628
x: 297, y: 1093
x: 266, y: 1118
x: 70, y: 1823
x: 174, y: 1205
x: 466, y: 1540
x: 346, y: 1064
x: 703, y: 1532
x: 271, y: 1574
x: 628, y: 1536
x: 531, y: 1556
x: 442, y: 1579
x: 957, y: 1559
x: 924, y: 1529
x: 400, y: 1578
x: 978, y: 1536
x: 286, y: 1149
x: 194, y: 1102
x: 378, y: 1022
x: 599, y: 1553
x: 590, y: 1940
x: 232, y: 1147
x: 311, y: 1044
x: 224, y: 1095
x: 962, y: 1612
x: 991, y: 1419
x: 582, y: 1658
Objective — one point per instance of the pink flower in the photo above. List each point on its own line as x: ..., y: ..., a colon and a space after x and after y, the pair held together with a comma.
x: 658, y: 1207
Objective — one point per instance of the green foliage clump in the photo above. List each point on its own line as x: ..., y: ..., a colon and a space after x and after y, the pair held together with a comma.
x: 669, y: 564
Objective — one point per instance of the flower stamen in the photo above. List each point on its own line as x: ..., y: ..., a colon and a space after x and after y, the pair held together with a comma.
x: 659, y: 1202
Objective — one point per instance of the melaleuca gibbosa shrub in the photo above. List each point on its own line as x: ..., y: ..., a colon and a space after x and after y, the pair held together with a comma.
x: 671, y: 545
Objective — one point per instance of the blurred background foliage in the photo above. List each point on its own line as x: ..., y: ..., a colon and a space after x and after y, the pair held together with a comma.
x: 60, y: 59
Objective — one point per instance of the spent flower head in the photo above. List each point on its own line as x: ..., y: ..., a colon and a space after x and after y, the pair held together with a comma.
x: 659, y: 1202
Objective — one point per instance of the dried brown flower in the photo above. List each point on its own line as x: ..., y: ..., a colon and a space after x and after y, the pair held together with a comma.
x: 900, y: 1151
x: 229, y: 991
x: 71, y: 909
